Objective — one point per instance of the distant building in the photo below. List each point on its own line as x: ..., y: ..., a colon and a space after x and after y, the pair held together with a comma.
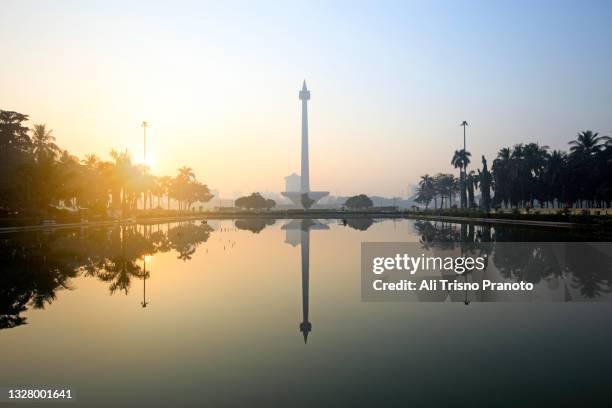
x: 292, y: 182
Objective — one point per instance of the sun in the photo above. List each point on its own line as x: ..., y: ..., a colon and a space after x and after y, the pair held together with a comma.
x: 150, y: 162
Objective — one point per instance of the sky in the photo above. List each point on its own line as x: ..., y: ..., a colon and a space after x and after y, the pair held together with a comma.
x: 390, y: 83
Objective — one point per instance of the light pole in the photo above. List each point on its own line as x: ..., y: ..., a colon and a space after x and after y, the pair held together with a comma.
x: 144, y: 125
x: 144, y: 302
x: 464, y: 124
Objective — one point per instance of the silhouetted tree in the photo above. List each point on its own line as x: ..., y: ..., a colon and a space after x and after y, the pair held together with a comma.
x: 484, y: 179
x: 461, y: 159
x: 254, y: 202
x: 358, y: 202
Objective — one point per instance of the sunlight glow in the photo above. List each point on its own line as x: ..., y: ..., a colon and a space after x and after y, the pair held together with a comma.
x: 150, y: 162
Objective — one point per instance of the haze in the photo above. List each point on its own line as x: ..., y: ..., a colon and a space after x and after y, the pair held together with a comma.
x: 390, y: 83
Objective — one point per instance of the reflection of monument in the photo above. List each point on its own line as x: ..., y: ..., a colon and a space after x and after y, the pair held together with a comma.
x: 303, y: 227
x: 305, y: 197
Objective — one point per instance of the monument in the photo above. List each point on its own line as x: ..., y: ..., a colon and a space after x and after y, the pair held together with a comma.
x: 305, y: 198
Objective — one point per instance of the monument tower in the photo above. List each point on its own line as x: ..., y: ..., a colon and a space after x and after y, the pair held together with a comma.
x: 305, y: 97
x: 305, y: 197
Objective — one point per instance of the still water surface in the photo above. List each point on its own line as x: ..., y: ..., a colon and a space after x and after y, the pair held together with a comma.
x: 217, y: 314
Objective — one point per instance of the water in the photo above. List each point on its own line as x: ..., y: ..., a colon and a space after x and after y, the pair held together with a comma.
x: 214, y: 314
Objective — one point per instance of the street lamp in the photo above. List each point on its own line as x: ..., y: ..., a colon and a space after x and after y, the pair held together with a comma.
x: 144, y: 125
x: 464, y: 124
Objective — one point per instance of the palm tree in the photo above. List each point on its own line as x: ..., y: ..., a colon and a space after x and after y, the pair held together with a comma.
x: 121, y: 173
x: 186, y: 173
x: 585, y: 173
x: 181, y: 185
x: 553, y: 176
x: 472, y: 183
x: 484, y: 178
x: 158, y: 189
x: 91, y: 161
x: 427, y: 190
x: 501, y: 175
x: 43, y: 142
x: 588, y: 143
x: 461, y: 158
x: 166, y: 183
x: 446, y: 187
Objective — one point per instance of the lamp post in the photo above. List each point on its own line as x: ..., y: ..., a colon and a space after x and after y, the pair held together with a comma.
x: 144, y: 125
x: 464, y: 124
x: 144, y: 302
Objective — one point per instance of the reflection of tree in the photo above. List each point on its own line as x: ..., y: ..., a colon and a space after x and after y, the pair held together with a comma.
x: 160, y: 241
x: 29, y: 277
x: 255, y: 225
x: 34, y: 266
x: 119, y: 272
x: 527, y: 261
x: 361, y: 224
x: 185, y: 238
x: 595, y: 266
x: 437, y: 235
x: 119, y: 263
x: 534, y: 255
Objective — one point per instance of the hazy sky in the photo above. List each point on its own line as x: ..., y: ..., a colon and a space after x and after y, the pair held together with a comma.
x: 390, y: 81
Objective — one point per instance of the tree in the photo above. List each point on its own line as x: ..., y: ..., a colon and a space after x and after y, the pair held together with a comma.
x: 427, y: 191
x: 588, y: 143
x: 472, y: 183
x: 36, y: 174
x: 43, y: 143
x: 485, y: 178
x: 254, y: 202
x: 461, y: 159
x: 187, y: 190
x: 13, y: 134
x: 120, y: 173
x: 446, y: 186
x: 15, y: 162
x: 586, y: 169
x: 166, y: 184
x: 359, y: 202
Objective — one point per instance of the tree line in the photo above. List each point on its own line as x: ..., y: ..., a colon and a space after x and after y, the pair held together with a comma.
x: 36, y: 175
x: 528, y: 175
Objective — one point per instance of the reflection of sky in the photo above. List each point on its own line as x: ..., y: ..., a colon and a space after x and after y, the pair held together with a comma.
x: 390, y: 81
x: 227, y: 321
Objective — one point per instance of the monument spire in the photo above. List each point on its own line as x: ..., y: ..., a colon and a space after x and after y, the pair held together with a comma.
x: 305, y: 176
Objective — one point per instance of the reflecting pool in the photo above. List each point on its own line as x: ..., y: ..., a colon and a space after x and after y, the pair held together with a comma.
x: 251, y: 312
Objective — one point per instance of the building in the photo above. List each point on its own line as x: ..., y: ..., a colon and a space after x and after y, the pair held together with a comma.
x: 292, y: 182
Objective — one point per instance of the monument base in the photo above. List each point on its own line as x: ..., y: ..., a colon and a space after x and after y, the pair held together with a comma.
x: 305, y: 200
